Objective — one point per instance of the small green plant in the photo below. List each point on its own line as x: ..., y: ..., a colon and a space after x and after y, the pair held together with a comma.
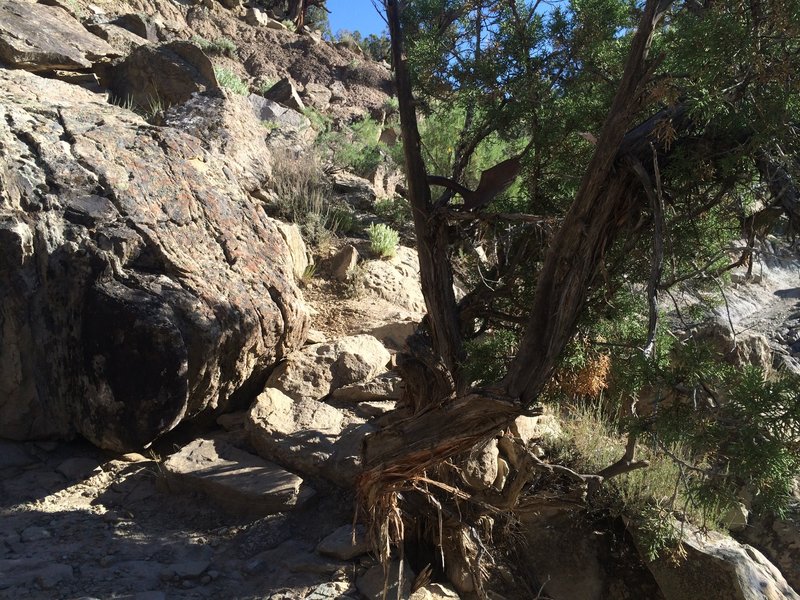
x: 127, y: 103
x: 383, y: 240
x: 230, y: 80
x: 319, y: 122
x: 356, y: 284
x: 391, y: 104
x: 308, y: 274
x: 356, y: 147
x: 344, y: 218
x: 155, y: 108
x: 76, y: 9
x: 223, y: 46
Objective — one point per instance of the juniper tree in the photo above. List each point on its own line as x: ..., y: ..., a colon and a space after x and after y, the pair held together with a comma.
x: 644, y: 136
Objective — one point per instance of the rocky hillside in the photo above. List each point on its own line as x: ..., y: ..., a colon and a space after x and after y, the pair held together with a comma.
x: 197, y: 333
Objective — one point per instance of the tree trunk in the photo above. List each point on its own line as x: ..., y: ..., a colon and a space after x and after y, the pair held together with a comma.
x: 600, y: 210
x: 430, y: 226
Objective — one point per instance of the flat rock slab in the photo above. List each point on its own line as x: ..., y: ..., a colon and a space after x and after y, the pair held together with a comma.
x: 36, y: 37
x: 238, y: 481
x: 344, y: 543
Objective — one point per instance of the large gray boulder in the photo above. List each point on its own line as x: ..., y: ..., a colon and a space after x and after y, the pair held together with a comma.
x: 779, y: 540
x: 226, y: 125
x: 139, y: 285
x: 36, y: 37
x: 717, y: 566
x: 166, y: 74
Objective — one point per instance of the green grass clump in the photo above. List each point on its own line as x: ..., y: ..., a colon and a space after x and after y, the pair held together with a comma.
x: 221, y: 46
x: 230, y: 80
x: 383, y: 240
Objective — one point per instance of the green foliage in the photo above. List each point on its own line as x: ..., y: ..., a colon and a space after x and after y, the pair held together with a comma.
x: 321, y: 123
x: 222, y: 46
x: 489, y: 355
x: 439, y: 131
x: 744, y: 433
x: 395, y: 211
x: 356, y: 147
x: 383, y: 240
x: 500, y: 77
x: 317, y: 19
x: 344, y: 218
x: 230, y: 80
x: 651, y: 497
x: 308, y: 274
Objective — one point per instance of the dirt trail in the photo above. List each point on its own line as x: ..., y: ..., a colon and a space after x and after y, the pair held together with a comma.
x: 76, y: 524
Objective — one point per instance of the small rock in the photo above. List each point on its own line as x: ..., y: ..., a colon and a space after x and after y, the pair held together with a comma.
x: 343, y: 545
x: 315, y: 336
x: 77, y: 468
x: 333, y: 590
x: 256, y: 17
x: 318, y: 95
x: 338, y: 92
x: 343, y: 263
x: 370, y: 584
x: 736, y: 517
x: 313, y: 372
x: 35, y: 534
x: 386, y: 386
x: 368, y: 410
x: 134, y: 457
x: 285, y: 93
x: 435, y: 591
x: 53, y: 574
x: 481, y: 469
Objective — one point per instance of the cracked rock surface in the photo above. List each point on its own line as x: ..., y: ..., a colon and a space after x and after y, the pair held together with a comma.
x: 139, y: 283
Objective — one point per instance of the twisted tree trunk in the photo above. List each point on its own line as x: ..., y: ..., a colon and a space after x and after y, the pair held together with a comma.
x: 450, y: 423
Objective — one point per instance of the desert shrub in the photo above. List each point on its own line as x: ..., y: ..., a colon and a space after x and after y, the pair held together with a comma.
x: 303, y: 191
x: 223, y: 46
x: 395, y: 211
x: 383, y: 240
x: 230, y: 80
x: 319, y: 122
x: 355, y: 147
